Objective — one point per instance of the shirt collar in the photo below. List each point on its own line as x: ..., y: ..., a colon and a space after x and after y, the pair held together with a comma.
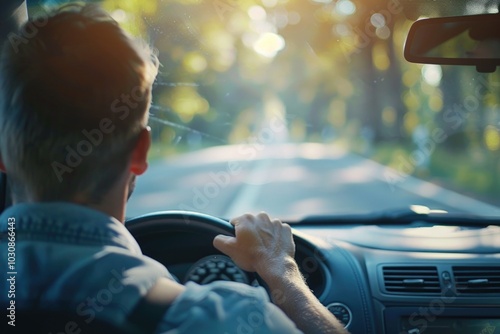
x: 66, y: 223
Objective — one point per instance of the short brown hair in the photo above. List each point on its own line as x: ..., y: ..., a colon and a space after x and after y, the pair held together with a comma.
x: 75, y: 91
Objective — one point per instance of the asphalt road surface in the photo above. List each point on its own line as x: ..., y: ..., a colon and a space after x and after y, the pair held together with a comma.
x: 288, y: 181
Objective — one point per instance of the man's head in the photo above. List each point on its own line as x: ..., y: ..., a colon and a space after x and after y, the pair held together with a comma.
x: 74, y: 97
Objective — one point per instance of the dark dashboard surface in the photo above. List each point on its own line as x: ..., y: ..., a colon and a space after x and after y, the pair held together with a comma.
x: 416, y: 278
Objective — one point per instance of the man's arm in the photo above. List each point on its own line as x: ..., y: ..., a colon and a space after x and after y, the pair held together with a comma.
x: 267, y: 247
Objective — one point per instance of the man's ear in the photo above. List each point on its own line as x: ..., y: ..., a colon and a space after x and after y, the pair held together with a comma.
x: 139, y: 158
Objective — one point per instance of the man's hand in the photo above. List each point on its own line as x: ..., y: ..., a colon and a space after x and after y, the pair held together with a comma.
x: 266, y: 246
x: 261, y: 245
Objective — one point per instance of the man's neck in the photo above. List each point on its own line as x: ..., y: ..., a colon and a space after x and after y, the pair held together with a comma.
x: 114, y: 202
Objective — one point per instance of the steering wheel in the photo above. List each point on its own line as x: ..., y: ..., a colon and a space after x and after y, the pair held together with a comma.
x: 175, y: 238
x: 178, y: 220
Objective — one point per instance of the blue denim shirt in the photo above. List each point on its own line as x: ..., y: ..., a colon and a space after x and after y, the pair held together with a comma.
x: 70, y: 256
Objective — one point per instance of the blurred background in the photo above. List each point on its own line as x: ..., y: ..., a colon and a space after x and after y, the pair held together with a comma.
x: 264, y: 72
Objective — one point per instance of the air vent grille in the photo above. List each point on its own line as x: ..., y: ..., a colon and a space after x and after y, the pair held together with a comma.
x: 477, y: 279
x: 411, y: 279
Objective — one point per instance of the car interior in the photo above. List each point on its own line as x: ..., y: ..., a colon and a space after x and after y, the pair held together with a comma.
x: 420, y: 256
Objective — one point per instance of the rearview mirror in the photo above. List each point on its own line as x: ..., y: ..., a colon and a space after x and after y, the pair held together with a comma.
x: 461, y: 40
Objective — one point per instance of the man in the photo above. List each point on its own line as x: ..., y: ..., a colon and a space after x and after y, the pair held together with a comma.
x: 74, y: 97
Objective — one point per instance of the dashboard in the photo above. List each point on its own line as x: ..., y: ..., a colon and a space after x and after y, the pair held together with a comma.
x: 413, y: 278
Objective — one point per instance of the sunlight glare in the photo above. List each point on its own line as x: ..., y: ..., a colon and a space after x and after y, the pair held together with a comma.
x: 257, y: 13
x: 377, y: 20
x: 119, y: 15
x: 269, y: 44
x: 269, y: 3
x: 432, y: 74
x: 345, y: 7
x: 383, y: 32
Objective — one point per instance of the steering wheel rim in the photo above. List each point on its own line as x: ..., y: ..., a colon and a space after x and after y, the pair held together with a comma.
x: 177, y: 219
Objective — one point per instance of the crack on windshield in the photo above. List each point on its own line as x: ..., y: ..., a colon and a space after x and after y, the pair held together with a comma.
x: 176, y: 84
x: 154, y: 118
x: 161, y: 108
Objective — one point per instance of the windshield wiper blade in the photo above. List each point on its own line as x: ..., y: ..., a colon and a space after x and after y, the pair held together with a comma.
x: 404, y: 216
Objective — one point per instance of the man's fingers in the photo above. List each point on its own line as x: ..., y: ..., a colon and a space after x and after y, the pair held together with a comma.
x: 246, y: 218
x: 224, y: 243
x: 263, y: 216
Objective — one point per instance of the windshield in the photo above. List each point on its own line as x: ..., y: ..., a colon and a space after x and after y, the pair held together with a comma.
x: 303, y: 108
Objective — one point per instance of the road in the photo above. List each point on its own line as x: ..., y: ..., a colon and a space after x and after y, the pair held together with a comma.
x: 288, y: 181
